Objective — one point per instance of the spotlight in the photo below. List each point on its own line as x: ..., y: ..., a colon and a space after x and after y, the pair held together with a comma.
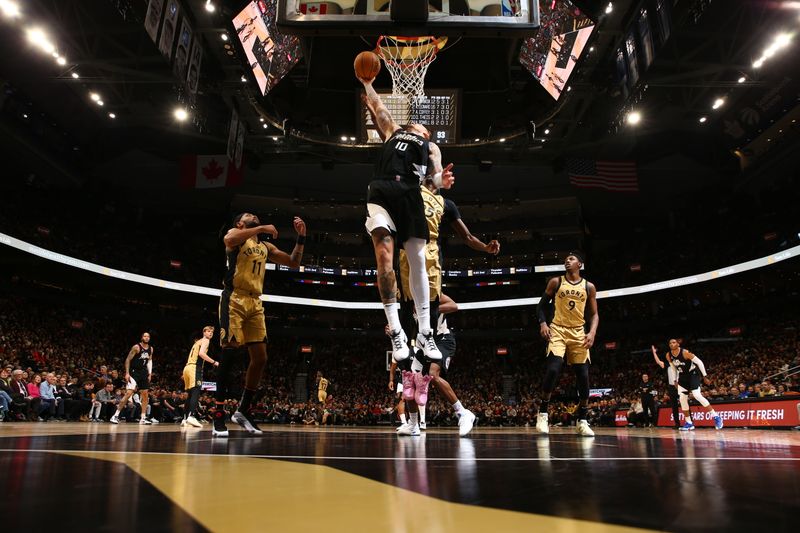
x: 210, y: 7
x: 758, y: 62
x: 547, y: 132
x: 61, y: 61
x: 75, y: 75
x: 477, y: 140
x: 180, y: 114
x: 633, y: 118
x: 243, y: 79
x: 719, y: 102
x: 502, y: 139
x: 261, y: 119
x: 591, y: 48
x: 264, y: 126
x: 275, y: 139
x: 344, y: 138
x: 609, y: 8
x: 100, y: 103
x: 24, y: 115
x: 224, y: 36
x: 94, y: 96
x: 38, y: 37
x: 112, y: 115
x: 352, y: 138
x: 702, y: 119
x: 9, y: 9
x: 742, y: 79
x: 56, y: 55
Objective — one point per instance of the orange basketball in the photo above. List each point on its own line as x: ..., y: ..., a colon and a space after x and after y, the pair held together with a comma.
x: 367, y: 65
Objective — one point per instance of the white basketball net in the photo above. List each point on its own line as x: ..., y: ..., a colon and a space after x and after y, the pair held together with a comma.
x: 407, y: 59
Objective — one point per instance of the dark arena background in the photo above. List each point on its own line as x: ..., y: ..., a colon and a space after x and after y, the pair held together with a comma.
x: 651, y: 146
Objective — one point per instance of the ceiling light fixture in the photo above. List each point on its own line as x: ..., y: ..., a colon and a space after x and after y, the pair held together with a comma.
x: 719, y: 102
x: 210, y: 7
x: 180, y: 114
x: 61, y: 61
x: 224, y: 36
x: 702, y: 119
x: 112, y: 115
x: 609, y: 8
x: 742, y: 79
x: 94, y: 96
x: 75, y: 75
x: 633, y: 118
x: 9, y: 9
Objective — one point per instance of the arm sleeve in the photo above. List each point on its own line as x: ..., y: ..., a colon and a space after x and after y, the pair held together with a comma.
x: 699, y: 364
x: 149, y: 366
x: 545, y: 308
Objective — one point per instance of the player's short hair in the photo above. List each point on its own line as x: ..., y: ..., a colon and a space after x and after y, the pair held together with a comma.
x: 577, y: 254
x: 237, y: 219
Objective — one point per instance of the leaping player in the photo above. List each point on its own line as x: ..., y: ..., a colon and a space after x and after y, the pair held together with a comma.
x: 689, y: 368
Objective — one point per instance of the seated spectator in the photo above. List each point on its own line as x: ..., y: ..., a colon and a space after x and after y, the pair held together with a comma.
x: 47, y: 390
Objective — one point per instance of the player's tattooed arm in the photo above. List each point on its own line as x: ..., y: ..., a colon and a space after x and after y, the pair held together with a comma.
x: 131, y: 355
x: 383, y: 118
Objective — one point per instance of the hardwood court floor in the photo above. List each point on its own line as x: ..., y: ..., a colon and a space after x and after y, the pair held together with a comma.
x: 99, y: 477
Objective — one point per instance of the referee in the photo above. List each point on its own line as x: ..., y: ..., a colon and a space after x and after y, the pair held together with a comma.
x: 672, y: 387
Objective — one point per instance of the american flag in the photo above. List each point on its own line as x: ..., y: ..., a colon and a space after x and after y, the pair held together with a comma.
x: 617, y: 176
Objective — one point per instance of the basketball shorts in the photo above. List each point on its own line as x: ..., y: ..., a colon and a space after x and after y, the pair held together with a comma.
x: 432, y: 266
x: 139, y: 379
x: 399, y: 387
x: 568, y: 343
x: 192, y: 376
x: 688, y: 382
x: 447, y: 345
x: 241, y: 319
x: 322, y: 396
x: 398, y: 207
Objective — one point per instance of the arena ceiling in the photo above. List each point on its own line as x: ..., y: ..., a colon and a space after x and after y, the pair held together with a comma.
x: 712, y: 46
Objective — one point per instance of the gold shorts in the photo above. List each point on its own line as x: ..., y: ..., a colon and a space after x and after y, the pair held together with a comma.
x: 192, y: 377
x: 322, y: 396
x: 568, y: 343
x: 432, y: 266
x: 241, y: 319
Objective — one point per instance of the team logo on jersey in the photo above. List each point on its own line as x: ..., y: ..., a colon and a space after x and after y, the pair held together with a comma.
x: 420, y: 171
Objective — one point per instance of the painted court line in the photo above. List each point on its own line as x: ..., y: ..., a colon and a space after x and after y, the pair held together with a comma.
x: 433, y: 459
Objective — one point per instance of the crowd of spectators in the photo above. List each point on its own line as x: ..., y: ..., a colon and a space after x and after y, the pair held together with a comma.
x: 62, y: 363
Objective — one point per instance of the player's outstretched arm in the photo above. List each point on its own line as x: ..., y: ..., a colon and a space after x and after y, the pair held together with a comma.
x: 659, y: 362
x: 296, y: 257
x: 461, y: 229
x: 383, y: 118
x: 447, y: 305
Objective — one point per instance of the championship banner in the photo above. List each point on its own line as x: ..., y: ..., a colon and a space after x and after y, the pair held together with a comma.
x: 153, y: 17
x: 764, y: 413
x: 233, y: 131
x: 169, y: 29
x: 195, y: 59
x: 182, y: 50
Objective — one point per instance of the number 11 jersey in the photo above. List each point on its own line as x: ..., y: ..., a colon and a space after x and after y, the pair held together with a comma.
x: 246, y: 265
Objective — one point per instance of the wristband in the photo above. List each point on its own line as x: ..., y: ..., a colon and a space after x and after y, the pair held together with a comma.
x: 437, y: 180
x: 301, y: 240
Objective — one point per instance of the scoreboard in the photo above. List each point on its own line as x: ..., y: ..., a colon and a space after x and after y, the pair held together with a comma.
x: 438, y: 111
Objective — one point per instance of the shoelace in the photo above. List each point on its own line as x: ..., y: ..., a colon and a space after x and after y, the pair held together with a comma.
x: 429, y: 344
x: 397, y: 341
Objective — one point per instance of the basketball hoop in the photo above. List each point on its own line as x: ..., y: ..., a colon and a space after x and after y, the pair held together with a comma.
x: 407, y: 59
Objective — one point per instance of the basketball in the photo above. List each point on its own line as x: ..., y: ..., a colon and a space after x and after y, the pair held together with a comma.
x: 367, y: 65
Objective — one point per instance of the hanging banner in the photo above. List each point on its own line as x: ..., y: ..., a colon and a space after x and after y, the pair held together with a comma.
x: 195, y: 59
x: 233, y: 132
x: 182, y: 50
x: 169, y: 29
x: 153, y: 17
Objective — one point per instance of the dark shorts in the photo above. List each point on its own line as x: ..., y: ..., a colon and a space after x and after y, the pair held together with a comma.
x: 403, y: 202
x: 690, y: 381
x: 446, y: 345
x: 140, y: 378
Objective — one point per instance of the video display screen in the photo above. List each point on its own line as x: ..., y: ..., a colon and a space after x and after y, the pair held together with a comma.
x: 437, y: 111
x: 270, y: 53
x: 552, y: 54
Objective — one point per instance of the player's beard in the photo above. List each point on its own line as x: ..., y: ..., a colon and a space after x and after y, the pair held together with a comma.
x: 251, y: 224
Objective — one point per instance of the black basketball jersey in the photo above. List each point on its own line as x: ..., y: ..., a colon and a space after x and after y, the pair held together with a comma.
x: 404, y: 155
x: 141, y: 360
x: 683, y: 366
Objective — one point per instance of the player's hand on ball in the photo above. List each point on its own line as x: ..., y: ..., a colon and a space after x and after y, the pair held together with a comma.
x: 300, y: 226
x: 544, y: 329
x: 589, y: 340
x: 269, y: 229
x: 493, y: 247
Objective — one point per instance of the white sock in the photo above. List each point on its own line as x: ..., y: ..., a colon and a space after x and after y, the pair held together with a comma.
x: 418, y: 282
x: 458, y: 408
x: 422, y: 414
x: 414, y: 418
x: 392, y: 316
x: 116, y: 415
x: 403, y: 418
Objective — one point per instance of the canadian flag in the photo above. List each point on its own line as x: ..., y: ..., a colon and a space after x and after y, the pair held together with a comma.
x: 314, y: 8
x: 209, y: 171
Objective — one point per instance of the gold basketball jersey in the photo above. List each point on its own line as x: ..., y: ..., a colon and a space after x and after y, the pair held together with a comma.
x: 246, y: 266
x: 570, y: 302
x: 434, y: 209
x: 323, y: 384
x: 194, y: 353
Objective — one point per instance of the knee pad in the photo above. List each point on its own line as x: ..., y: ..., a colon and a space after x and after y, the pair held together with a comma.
x: 684, y: 400
x: 552, y: 370
x: 699, y: 397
